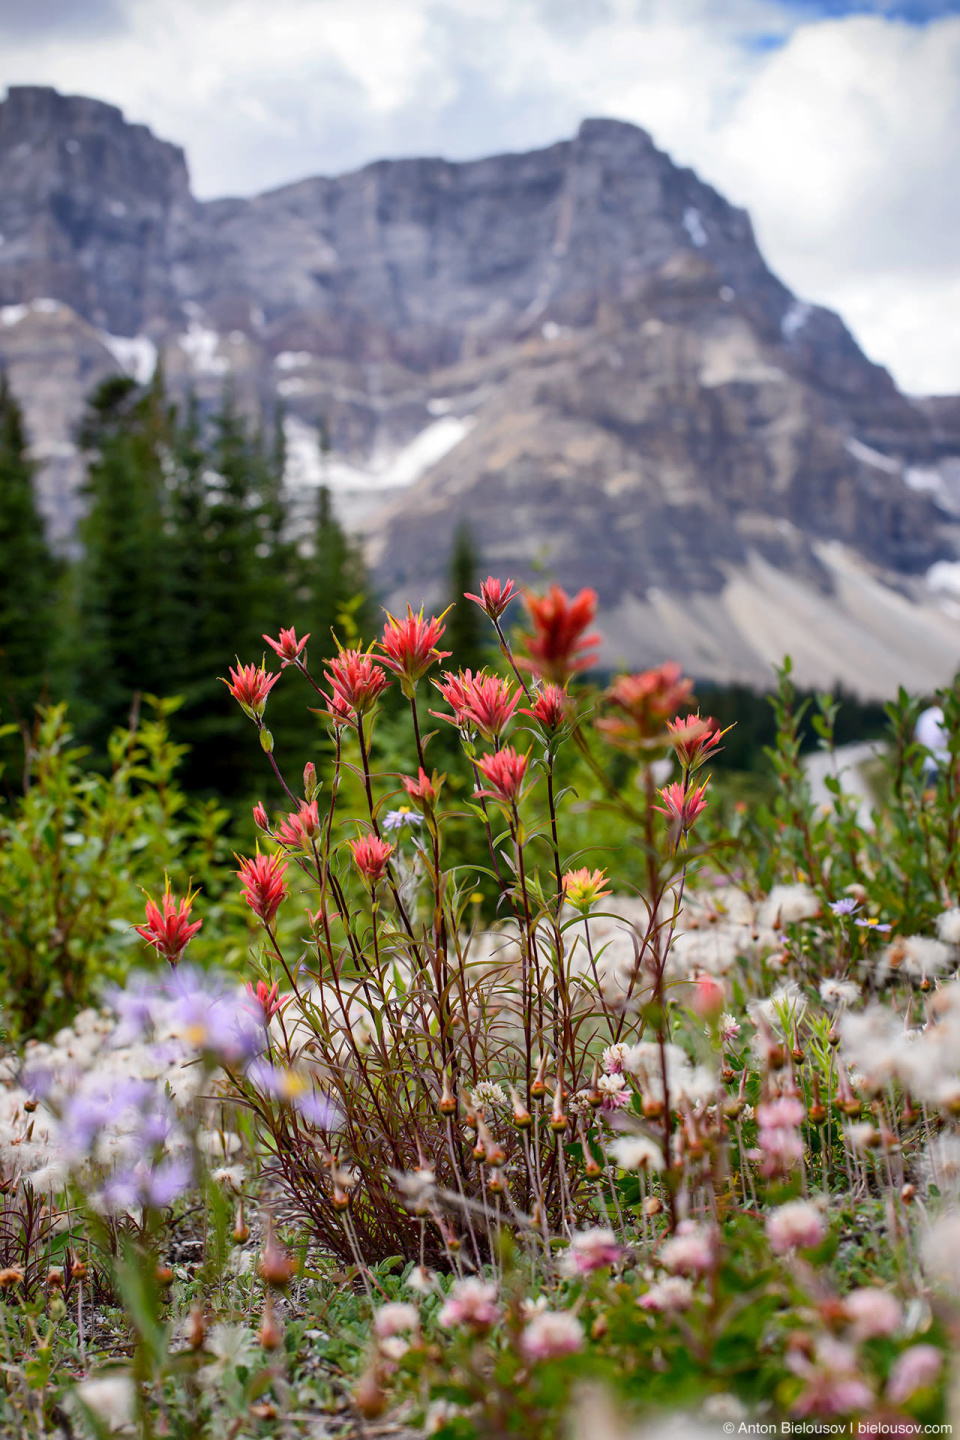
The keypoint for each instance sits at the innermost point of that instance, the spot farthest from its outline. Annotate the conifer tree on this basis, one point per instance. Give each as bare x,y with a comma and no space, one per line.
28,576
123,585
238,587
466,633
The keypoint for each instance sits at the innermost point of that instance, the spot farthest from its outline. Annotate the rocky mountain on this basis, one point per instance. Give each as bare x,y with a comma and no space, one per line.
580,351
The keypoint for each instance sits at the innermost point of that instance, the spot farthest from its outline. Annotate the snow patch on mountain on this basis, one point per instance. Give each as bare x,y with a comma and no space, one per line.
13,314
868,456
292,359
694,226
135,354
359,489
794,319
200,345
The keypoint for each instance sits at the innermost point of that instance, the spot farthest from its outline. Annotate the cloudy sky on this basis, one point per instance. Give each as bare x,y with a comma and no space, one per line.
836,123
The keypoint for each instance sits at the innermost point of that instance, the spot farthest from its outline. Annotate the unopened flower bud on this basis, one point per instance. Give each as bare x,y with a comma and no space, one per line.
310,785
276,1267
908,1194
260,817
270,1335
447,1104
164,1276
558,1121
817,1114
56,1307
55,1278
266,741
493,1151
368,1394
241,1230
652,1107
196,1328
340,1199
495,1182
652,1206
521,1115
591,1168
538,1086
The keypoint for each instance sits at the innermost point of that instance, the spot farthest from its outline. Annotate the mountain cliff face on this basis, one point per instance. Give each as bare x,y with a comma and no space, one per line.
579,350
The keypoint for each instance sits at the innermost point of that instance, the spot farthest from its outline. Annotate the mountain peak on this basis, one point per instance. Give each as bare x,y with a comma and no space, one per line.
579,351
604,129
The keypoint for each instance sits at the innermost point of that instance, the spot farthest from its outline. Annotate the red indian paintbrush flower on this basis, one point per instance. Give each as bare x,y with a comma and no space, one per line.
682,804
168,928
337,710
504,773
581,888
262,883
288,647
549,707
267,997
260,818
453,688
494,596
409,646
481,702
558,648
644,701
695,740
298,831
356,679
425,788
371,856
250,685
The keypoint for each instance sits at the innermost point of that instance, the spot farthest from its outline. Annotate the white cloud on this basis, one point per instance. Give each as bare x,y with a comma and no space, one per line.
843,142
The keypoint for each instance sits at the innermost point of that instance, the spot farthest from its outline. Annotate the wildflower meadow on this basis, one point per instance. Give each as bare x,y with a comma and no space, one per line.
519,1075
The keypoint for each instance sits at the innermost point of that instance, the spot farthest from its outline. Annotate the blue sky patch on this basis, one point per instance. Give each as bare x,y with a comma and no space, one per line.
913,12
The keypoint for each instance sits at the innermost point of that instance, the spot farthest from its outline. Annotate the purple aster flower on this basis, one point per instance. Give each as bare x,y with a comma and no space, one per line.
155,1128
120,1192
873,925
846,906
143,1184
215,1020
135,1006
317,1110
294,1088
397,819
168,1181
38,1082
88,1112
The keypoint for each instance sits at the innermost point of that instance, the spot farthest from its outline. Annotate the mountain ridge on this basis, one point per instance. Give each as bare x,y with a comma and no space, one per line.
579,350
